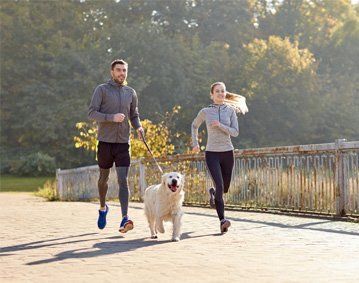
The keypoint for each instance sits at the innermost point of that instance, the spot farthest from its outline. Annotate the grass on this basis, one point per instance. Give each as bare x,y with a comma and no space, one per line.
48,191
10,183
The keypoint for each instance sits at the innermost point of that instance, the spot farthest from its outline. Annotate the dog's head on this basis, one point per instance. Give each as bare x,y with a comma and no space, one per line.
173,181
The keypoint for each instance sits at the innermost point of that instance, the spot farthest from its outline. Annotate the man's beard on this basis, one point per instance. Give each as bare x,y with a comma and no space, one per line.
118,81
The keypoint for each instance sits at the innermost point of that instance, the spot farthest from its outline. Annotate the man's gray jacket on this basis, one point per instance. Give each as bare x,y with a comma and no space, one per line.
111,98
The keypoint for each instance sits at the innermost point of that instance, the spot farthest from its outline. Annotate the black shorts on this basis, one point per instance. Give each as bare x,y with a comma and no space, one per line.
108,153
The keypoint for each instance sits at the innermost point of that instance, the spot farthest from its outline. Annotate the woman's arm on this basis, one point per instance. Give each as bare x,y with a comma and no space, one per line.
194,128
233,129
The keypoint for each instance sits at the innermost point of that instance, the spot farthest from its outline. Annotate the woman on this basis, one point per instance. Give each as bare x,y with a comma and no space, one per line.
221,121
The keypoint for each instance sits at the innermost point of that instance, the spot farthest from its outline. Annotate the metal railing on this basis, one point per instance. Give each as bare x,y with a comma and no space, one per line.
318,178
81,183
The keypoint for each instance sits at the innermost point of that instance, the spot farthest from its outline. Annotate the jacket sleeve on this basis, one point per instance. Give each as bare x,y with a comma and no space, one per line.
95,106
233,129
134,115
195,125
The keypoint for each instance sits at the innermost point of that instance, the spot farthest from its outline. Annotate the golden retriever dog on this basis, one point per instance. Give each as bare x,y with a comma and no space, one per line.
163,202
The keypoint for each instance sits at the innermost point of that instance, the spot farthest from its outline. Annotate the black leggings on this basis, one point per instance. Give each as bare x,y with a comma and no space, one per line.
220,166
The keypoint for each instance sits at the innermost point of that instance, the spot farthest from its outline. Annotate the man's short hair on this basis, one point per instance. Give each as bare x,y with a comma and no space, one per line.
118,61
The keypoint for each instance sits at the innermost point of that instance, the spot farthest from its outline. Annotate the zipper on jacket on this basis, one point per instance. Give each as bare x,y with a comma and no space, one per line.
119,111
219,113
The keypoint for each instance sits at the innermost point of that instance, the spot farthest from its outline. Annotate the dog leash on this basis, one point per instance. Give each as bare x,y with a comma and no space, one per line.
144,141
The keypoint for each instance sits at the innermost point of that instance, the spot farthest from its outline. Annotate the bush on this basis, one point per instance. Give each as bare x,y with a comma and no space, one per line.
48,191
4,165
34,164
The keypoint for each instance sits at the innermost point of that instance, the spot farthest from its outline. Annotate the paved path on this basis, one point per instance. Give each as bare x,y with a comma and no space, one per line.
59,242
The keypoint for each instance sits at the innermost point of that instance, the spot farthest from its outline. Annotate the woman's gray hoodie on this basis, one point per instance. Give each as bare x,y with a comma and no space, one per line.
219,138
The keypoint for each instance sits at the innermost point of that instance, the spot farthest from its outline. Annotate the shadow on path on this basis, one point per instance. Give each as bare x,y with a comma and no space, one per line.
114,247
305,226
44,243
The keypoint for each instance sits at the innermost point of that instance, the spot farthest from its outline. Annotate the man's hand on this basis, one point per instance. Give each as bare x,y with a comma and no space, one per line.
140,132
196,149
215,123
119,117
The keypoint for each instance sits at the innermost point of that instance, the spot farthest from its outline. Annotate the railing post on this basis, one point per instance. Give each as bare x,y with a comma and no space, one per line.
59,184
340,189
142,176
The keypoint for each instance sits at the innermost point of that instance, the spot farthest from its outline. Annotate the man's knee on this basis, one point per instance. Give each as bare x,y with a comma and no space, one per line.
122,176
104,176
123,182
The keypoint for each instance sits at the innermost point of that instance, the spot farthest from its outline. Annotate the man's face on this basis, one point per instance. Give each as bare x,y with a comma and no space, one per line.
119,73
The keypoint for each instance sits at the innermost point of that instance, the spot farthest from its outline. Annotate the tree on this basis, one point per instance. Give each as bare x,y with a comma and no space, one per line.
298,54
309,22
339,75
280,81
47,51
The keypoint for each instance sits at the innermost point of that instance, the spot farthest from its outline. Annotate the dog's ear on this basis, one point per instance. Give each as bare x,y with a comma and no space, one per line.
164,179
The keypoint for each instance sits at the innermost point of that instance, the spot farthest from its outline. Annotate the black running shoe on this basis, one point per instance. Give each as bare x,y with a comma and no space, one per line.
225,224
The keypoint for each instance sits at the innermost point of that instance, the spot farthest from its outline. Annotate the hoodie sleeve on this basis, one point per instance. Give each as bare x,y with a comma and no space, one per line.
134,115
195,125
95,106
233,129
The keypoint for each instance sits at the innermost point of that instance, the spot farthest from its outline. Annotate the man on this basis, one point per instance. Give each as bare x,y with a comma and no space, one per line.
113,106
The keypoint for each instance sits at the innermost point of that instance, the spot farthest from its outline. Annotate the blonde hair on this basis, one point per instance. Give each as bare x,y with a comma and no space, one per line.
238,102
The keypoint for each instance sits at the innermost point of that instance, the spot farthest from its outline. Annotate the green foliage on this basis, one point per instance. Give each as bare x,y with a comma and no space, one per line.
46,48
311,23
281,82
34,164
293,60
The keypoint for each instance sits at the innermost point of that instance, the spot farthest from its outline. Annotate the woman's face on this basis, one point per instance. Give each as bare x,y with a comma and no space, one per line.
218,94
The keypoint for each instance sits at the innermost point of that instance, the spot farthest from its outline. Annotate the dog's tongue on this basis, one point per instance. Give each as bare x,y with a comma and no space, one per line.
173,188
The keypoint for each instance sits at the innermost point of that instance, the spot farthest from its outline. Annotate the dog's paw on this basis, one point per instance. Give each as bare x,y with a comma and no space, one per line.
160,229
175,239
154,237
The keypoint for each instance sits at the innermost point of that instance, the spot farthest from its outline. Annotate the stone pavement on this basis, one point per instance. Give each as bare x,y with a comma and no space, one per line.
44,241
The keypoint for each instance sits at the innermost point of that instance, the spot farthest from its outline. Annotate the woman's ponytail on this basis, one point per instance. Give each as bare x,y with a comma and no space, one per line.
238,102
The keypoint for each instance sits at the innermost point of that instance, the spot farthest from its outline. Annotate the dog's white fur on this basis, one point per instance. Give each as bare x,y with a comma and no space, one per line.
162,203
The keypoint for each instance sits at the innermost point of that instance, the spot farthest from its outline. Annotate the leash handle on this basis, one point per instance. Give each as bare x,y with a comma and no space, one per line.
144,141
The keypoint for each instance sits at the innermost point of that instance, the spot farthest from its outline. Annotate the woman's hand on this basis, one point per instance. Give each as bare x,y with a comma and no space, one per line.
196,149
215,123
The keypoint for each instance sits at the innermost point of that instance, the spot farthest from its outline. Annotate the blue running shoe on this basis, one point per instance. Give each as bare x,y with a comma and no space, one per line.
101,222
126,225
